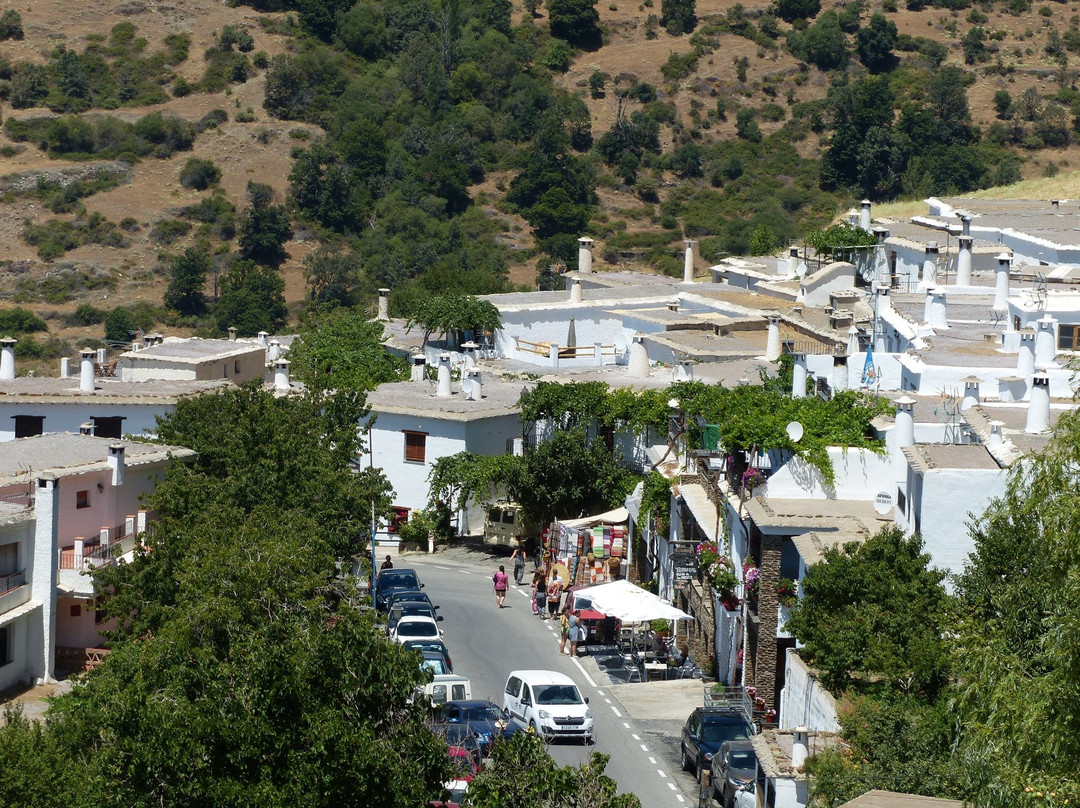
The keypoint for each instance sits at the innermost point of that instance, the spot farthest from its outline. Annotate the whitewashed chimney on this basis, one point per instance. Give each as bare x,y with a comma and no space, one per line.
475,388
798,377
442,389
469,348
996,438
637,365
929,269
792,261
116,463
232,333
86,371
688,263
971,392
685,371
937,315
1025,356
963,262
419,366
281,374
673,304
86,428
1045,341
102,355
965,225
575,290
840,373
852,340
1038,417
275,350
1054,205
1001,285
882,271
384,304
905,422
584,254
864,215
7,358
41,654
772,342
65,367
799,744
264,339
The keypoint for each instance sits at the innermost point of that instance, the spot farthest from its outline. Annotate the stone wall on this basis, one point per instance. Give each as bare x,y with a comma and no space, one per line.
768,616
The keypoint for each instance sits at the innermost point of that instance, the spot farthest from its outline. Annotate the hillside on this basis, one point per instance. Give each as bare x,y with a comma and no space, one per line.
716,135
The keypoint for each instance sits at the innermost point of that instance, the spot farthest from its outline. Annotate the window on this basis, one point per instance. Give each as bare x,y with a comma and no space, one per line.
1068,337
5,646
27,426
76,610
415,447
9,558
109,427
82,499
236,367
901,501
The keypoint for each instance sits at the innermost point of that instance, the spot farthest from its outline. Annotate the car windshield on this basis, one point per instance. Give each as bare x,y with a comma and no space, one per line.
557,694
417,628
436,666
397,579
484,713
720,731
426,645
743,759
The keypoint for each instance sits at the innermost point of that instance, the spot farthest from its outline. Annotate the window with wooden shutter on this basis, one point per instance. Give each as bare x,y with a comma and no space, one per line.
415,447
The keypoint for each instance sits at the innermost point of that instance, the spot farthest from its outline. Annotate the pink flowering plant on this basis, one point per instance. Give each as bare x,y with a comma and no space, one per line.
752,478
717,568
751,579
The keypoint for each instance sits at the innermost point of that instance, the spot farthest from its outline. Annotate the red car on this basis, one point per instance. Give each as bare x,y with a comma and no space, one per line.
596,623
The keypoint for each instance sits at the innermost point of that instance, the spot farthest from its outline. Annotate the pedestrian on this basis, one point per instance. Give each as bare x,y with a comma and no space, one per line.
539,587
577,631
564,630
554,594
387,565
501,581
518,557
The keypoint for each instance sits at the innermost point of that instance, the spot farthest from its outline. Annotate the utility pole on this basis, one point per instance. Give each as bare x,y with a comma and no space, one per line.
373,567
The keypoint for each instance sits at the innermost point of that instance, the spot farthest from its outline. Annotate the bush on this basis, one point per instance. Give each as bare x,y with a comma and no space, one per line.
20,321
119,325
167,231
557,56
199,174
11,25
86,314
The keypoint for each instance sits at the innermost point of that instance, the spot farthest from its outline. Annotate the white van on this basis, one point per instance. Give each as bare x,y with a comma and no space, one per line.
447,687
549,703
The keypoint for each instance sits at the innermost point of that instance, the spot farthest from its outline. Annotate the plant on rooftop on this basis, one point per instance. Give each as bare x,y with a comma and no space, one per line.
444,314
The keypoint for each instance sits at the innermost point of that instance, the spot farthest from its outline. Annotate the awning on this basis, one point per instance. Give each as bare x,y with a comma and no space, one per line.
631,603
615,517
702,509
19,611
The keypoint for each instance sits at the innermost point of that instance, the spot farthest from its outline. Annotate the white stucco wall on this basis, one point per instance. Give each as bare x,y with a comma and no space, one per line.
21,534
859,473
139,419
591,325
789,793
836,277
803,700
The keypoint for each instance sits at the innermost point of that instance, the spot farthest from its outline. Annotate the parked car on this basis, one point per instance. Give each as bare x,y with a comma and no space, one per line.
734,770
430,644
447,687
579,598
410,595
418,627
483,718
459,736
393,579
408,609
705,730
549,703
435,662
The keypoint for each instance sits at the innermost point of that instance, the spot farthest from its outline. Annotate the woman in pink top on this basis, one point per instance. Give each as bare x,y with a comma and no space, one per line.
501,581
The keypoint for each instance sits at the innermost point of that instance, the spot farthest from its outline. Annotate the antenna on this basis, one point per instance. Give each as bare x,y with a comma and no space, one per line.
794,431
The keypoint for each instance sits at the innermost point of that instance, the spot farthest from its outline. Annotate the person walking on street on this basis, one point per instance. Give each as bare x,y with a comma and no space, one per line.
501,581
576,630
554,594
564,630
539,588
386,565
518,557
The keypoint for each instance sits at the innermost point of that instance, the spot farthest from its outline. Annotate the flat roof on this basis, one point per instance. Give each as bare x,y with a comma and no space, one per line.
66,453
56,390
500,397
894,799
773,749
192,350
855,517
942,456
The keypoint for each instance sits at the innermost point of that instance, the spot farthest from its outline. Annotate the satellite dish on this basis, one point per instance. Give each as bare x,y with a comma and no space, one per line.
794,431
883,503
800,270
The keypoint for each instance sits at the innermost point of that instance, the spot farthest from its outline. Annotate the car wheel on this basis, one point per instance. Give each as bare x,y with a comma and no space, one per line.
684,761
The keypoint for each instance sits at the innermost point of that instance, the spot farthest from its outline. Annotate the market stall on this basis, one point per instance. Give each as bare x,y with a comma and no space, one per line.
592,548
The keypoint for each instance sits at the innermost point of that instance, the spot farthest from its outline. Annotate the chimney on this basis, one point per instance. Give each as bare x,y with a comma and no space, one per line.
474,389
384,304
929,270
688,263
963,262
116,463
232,333
86,371
792,260
839,373
1025,357
685,371
86,428
102,355
281,374
882,271
965,224
637,365
470,354
1054,205
852,340
147,340
936,313
275,350
971,393
264,339
798,377
65,367
1001,288
584,255
864,215
7,358
157,339
1038,417
1045,341
996,437
800,735
673,304
883,300
419,366
442,390
772,343
905,422
575,290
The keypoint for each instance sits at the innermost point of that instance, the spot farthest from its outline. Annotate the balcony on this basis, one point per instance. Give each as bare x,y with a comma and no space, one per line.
95,555
13,590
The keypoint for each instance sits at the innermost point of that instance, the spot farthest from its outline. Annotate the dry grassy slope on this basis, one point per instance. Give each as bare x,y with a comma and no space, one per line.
235,147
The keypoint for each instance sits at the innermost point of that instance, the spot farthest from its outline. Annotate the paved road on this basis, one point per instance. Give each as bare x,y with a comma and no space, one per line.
486,643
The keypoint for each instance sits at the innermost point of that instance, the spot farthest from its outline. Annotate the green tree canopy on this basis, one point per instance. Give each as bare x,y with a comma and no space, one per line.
252,300
576,21
341,350
265,227
187,281
445,314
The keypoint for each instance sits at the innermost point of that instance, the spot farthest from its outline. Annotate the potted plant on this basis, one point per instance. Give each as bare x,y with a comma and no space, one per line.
717,570
661,628
752,478
751,579
787,591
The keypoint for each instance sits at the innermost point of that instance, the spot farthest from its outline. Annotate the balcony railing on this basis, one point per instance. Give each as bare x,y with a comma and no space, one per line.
13,580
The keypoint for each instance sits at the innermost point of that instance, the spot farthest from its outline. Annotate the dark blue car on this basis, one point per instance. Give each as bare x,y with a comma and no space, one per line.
705,730
483,718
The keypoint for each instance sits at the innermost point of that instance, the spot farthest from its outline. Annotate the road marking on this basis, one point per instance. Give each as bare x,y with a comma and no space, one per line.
679,798
635,737
626,724
644,748
672,786
617,713
652,760
660,772
606,701
583,673
599,692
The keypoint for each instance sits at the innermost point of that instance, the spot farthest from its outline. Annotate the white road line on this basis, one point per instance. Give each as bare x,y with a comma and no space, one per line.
660,772
652,760
583,673
672,786
644,748
599,692
617,713
679,798
606,701
635,737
